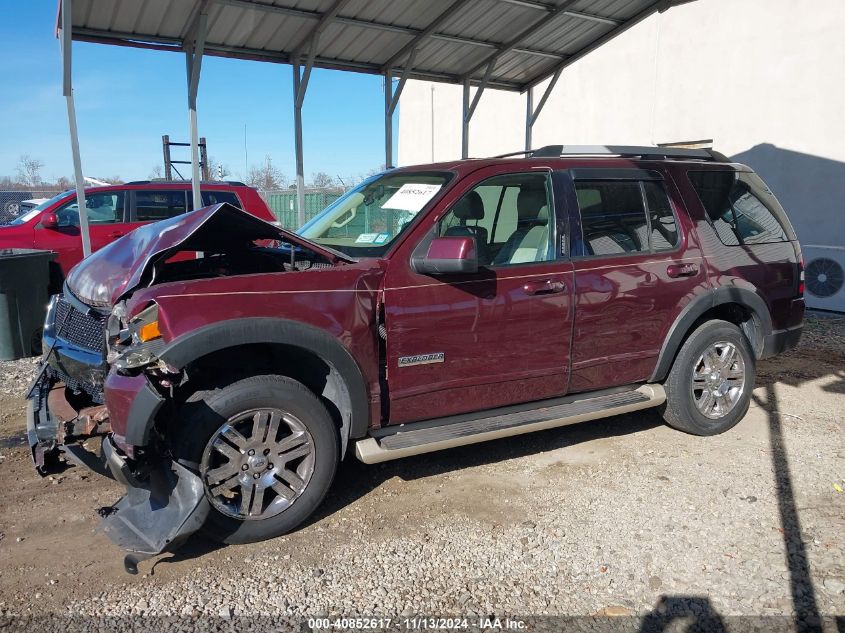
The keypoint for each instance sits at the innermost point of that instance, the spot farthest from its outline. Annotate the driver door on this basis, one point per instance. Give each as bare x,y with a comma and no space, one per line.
105,224
497,337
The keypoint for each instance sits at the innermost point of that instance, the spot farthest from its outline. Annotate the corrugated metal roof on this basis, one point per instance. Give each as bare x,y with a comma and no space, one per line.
515,43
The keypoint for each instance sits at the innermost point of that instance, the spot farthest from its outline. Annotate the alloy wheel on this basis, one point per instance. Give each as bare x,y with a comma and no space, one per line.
257,464
718,379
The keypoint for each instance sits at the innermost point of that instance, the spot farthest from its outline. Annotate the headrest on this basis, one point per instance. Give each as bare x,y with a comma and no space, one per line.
470,207
529,202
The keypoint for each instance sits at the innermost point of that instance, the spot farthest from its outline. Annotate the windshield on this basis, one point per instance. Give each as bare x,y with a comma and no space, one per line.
26,217
367,219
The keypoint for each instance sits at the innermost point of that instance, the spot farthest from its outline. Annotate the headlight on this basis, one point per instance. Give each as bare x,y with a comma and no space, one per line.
143,338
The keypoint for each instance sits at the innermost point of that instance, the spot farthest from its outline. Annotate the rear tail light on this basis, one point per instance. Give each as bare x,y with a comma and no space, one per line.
801,277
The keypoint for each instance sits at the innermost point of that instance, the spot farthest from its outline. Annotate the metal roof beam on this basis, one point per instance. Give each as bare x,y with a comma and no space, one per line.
411,47
542,6
219,50
314,34
660,5
381,26
526,32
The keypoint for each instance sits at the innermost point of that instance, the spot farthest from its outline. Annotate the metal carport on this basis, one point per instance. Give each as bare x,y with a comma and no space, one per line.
503,44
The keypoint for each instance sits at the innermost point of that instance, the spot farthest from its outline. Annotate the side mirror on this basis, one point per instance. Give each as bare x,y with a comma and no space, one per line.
449,255
50,221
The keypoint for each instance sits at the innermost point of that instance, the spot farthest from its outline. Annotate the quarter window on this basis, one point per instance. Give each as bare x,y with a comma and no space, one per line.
151,206
509,217
740,207
624,216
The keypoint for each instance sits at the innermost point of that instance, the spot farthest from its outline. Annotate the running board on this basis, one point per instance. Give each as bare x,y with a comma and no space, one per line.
428,436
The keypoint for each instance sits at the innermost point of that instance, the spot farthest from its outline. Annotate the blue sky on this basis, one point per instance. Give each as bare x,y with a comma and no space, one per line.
127,98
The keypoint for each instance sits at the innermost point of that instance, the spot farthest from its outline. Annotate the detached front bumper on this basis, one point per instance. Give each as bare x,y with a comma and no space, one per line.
57,432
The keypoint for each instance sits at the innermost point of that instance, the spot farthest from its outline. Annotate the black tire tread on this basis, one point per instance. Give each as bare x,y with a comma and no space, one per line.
679,410
196,426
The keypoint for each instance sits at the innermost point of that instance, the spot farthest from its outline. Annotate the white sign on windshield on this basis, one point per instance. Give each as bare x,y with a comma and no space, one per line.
411,197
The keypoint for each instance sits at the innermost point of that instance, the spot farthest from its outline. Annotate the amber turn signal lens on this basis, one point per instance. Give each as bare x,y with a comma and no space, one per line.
149,331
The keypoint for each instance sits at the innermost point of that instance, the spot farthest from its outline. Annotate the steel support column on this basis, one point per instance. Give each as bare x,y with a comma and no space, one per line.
67,91
193,65
388,118
300,84
469,108
531,113
391,100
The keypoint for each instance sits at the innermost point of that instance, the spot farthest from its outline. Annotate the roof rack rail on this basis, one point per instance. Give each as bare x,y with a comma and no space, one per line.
628,151
162,181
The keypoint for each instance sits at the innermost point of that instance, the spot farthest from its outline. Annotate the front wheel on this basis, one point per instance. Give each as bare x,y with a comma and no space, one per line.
708,390
267,451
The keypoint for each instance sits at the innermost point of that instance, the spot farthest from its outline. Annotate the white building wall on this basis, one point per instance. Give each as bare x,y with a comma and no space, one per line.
762,78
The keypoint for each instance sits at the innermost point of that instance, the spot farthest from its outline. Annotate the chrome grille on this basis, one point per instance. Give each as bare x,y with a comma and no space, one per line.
78,328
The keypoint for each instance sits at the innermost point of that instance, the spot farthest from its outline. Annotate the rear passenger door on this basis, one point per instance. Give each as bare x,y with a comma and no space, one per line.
635,264
152,205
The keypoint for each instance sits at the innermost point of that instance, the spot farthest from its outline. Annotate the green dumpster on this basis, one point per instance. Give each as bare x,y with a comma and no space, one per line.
24,279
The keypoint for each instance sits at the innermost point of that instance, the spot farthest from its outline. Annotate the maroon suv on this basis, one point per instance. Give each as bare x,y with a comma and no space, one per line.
430,307
115,210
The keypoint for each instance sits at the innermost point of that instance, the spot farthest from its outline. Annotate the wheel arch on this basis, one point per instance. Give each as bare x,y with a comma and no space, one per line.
740,306
289,347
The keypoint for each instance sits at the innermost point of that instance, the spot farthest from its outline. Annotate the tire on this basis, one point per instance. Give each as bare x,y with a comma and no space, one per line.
720,394
202,442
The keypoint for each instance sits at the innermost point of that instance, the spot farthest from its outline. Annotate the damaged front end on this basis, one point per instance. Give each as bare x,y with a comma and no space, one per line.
101,386
68,421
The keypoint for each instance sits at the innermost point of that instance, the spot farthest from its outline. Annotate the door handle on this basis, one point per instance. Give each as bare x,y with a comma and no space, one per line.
116,234
682,270
545,287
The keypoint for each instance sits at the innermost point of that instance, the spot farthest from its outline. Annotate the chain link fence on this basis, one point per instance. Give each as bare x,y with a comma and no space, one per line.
283,203
10,202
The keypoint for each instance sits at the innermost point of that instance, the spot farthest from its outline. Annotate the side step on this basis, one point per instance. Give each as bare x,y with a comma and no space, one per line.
434,435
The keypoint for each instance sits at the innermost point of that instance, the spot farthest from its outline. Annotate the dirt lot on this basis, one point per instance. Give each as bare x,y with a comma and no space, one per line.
615,517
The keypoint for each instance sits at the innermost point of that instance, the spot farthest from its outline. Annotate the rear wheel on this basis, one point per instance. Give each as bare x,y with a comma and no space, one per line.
708,390
266,450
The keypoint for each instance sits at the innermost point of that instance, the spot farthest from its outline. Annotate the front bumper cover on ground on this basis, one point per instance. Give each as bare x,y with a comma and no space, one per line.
164,502
157,513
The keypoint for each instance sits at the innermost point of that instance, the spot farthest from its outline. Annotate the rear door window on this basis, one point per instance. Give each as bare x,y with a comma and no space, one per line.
624,216
151,206
741,208
217,197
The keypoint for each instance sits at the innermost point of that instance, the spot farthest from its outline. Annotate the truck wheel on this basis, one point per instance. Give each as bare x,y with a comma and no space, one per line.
266,450
708,389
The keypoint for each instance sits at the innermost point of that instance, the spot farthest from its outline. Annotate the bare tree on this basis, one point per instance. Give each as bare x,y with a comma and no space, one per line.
29,171
217,170
64,183
321,180
266,176
156,173
112,180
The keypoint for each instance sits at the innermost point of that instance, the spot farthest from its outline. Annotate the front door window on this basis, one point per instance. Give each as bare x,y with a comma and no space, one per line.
509,216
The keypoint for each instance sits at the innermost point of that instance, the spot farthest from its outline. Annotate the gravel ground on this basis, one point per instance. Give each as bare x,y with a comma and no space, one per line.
622,517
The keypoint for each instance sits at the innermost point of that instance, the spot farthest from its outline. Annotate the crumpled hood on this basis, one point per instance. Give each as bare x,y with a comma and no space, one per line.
119,268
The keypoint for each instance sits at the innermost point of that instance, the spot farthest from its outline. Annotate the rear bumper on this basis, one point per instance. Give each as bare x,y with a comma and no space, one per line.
781,341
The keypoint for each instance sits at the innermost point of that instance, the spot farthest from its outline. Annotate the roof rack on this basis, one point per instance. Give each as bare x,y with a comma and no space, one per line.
627,151
162,181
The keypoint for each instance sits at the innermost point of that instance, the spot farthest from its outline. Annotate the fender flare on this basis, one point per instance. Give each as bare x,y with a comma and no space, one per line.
257,330
696,308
